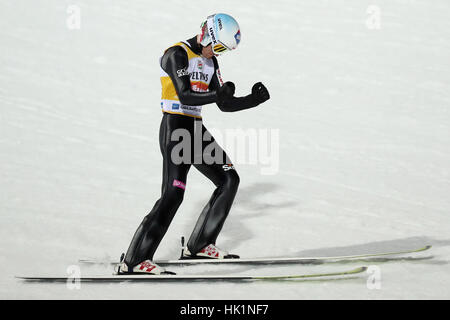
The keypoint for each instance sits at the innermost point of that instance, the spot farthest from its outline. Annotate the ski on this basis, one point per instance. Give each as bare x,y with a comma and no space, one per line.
190,278
268,260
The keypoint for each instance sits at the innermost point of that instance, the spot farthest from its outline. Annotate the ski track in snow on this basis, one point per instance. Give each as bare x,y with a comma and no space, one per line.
364,143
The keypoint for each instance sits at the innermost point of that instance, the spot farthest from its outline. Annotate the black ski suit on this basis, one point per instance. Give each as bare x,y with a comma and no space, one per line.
222,173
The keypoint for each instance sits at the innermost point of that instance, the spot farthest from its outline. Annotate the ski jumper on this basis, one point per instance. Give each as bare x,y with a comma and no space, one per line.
188,81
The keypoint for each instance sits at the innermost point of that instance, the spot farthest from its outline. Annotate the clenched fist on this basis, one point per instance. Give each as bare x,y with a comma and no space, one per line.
260,93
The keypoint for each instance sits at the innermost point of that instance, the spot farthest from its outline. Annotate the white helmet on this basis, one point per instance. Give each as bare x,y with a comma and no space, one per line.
222,31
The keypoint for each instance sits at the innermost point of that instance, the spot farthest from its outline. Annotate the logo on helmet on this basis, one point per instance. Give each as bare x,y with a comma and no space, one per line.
237,36
212,35
219,21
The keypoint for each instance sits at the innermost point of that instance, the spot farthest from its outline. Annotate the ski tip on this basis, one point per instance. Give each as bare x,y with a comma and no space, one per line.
360,269
427,247
324,276
354,271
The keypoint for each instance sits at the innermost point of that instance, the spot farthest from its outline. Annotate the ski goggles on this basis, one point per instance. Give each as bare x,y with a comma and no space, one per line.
209,36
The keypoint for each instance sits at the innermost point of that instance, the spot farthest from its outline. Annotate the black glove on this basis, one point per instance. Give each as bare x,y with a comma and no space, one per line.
225,92
260,93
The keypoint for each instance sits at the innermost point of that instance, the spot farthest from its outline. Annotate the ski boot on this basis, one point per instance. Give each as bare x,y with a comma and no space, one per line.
145,267
208,252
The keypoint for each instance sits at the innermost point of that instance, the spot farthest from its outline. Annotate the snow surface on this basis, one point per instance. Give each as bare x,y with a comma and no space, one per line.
364,143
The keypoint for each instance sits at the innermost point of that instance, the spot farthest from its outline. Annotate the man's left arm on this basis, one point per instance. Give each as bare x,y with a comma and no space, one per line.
259,94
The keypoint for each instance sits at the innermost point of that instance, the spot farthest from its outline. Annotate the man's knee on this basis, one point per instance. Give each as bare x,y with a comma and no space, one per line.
173,197
166,207
231,180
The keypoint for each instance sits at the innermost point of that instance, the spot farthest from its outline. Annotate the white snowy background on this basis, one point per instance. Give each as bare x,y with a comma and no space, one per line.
360,93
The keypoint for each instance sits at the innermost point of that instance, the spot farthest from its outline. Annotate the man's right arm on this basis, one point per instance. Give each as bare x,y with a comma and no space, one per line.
175,63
